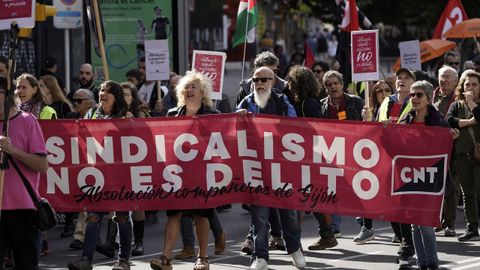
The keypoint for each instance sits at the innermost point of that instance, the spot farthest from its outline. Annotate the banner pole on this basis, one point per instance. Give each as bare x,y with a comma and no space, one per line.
245,42
100,39
13,40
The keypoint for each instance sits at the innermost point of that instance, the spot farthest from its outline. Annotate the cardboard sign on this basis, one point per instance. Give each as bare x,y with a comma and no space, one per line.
212,65
69,14
410,55
365,56
20,11
157,60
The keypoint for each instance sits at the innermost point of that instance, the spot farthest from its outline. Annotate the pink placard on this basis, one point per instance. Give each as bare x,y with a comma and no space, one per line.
21,11
212,65
365,62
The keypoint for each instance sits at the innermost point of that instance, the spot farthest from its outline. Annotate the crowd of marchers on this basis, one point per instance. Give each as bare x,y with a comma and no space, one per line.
409,97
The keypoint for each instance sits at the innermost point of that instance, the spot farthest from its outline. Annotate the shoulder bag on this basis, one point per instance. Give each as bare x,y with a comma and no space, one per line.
45,217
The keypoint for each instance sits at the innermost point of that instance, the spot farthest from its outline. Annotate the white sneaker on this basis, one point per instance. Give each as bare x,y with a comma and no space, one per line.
298,259
259,264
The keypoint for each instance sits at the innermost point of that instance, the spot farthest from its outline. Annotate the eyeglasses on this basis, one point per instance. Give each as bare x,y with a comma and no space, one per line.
262,79
453,63
384,90
318,70
78,100
418,95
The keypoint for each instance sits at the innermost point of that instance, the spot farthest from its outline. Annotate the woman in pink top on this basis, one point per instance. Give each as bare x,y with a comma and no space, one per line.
26,146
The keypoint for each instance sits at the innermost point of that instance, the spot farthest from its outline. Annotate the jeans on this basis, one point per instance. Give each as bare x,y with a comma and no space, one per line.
274,222
92,232
17,231
425,244
186,227
289,224
336,222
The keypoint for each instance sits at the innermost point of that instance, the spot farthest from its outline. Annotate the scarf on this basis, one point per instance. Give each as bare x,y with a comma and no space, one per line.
32,107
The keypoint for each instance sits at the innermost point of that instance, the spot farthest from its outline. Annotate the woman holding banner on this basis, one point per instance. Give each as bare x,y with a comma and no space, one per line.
193,94
305,88
424,114
111,105
136,109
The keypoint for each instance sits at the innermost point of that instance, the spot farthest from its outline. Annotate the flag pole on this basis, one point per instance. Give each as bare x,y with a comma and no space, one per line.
246,41
100,39
14,30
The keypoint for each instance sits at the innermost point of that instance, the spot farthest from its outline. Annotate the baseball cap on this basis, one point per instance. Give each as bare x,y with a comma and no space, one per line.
408,71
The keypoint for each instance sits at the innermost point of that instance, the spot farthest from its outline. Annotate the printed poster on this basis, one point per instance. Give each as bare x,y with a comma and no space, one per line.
212,65
365,56
128,24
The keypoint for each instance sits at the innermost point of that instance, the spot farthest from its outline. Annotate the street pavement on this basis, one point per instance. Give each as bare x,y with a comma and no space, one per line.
377,254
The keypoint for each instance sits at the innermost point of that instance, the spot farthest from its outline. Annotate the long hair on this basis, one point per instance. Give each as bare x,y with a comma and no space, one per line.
203,82
459,90
37,97
57,94
137,105
10,100
302,83
376,88
120,106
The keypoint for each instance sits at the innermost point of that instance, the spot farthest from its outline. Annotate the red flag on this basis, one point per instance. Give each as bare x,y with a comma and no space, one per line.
350,16
453,14
309,56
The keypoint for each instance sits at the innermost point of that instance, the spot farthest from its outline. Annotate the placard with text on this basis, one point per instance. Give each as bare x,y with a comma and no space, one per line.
365,56
212,65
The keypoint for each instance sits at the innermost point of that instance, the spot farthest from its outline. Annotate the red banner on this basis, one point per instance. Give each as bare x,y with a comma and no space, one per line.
392,173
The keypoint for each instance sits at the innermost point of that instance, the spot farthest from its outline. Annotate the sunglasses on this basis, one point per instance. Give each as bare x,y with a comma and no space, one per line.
318,70
418,95
262,79
453,63
78,100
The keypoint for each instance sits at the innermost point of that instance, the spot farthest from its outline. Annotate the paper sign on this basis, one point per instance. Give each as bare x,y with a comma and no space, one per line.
212,65
410,55
157,60
365,56
69,14
20,11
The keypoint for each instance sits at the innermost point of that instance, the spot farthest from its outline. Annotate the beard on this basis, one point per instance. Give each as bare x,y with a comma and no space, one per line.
84,83
261,99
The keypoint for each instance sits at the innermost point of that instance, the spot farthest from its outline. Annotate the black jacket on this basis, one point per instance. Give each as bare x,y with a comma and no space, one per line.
353,107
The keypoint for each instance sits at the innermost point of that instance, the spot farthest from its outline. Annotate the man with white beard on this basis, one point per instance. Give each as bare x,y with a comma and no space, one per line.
265,101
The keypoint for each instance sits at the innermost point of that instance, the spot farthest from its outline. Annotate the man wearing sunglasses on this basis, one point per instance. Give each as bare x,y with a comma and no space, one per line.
82,101
264,100
264,59
452,59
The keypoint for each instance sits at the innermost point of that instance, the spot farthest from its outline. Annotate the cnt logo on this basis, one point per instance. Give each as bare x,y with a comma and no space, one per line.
419,174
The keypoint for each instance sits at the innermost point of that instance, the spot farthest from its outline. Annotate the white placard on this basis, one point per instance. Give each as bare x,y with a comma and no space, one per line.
20,11
410,55
157,65
69,14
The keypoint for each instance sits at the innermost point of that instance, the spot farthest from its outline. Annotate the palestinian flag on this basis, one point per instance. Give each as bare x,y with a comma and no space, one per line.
246,21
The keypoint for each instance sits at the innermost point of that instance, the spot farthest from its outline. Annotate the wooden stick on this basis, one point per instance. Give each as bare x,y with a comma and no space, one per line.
100,39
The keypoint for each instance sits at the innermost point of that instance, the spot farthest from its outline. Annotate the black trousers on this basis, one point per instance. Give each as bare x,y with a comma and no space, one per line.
18,231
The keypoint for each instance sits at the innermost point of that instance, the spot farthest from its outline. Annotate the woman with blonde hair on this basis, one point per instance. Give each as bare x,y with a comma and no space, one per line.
54,96
193,93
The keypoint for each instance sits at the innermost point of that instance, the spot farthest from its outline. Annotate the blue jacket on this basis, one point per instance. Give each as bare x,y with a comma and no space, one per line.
277,105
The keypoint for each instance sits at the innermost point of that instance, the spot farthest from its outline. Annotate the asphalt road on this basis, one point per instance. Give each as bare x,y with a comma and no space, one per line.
377,254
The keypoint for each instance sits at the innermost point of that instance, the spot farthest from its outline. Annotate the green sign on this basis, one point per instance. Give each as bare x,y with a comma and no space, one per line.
127,24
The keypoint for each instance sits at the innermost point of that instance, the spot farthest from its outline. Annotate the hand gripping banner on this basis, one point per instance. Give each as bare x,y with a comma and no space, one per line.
393,172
